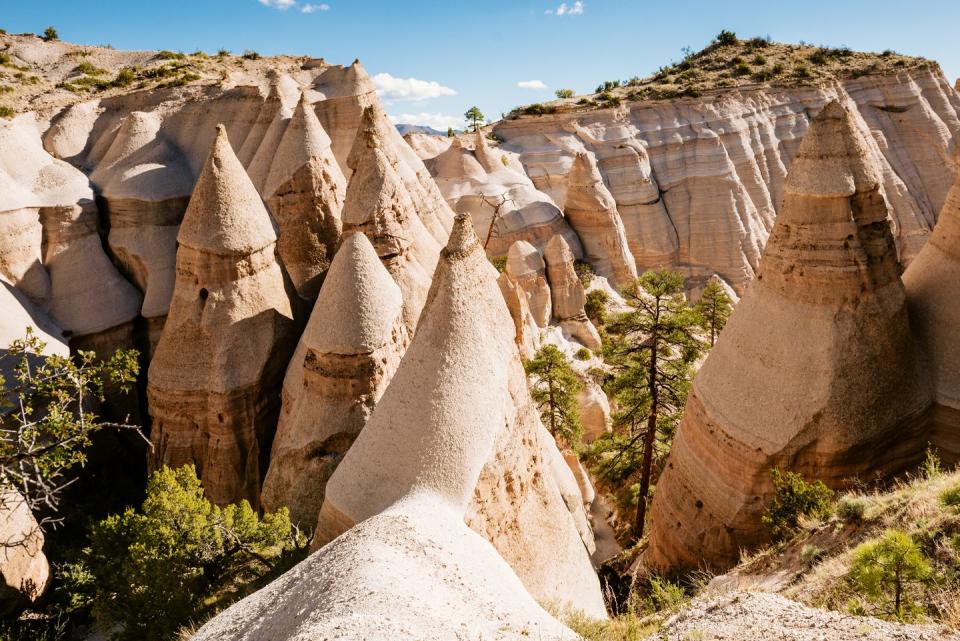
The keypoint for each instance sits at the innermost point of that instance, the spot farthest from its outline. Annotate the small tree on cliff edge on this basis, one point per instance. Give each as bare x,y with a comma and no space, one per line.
714,306
651,352
554,387
474,116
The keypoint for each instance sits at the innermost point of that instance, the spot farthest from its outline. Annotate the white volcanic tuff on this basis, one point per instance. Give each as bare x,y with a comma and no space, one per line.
476,181
720,162
458,424
343,362
526,268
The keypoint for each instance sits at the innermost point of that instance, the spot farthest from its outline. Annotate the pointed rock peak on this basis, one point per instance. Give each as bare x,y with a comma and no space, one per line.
372,132
834,159
584,171
523,258
304,138
358,304
558,251
376,194
480,139
456,145
463,238
225,214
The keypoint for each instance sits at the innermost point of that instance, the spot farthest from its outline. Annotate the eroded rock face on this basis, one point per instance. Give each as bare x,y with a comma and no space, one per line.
527,334
457,423
567,296
933,291
592,210
345,359
23,565
213,384
698,183
305,190
821,345
526,269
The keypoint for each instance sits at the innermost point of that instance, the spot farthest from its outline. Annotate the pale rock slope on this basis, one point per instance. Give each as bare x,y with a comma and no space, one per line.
492,187
24,570
933,291
525,267
304,192
821,345
592,210
213,384
527,335
698,182
457,423
381,204
567,295
343,362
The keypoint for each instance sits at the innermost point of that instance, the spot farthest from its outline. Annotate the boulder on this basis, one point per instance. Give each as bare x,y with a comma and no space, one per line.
592,211
567,295
213,384
23,565
343,362
457,423
526,268
814,373
304,192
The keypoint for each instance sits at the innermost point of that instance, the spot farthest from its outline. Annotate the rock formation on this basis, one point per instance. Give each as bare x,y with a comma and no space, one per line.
457,424
345,359
592,211
23,566
820,344
567,296
526,268
304,191
933,291
527,334
214,380
379,204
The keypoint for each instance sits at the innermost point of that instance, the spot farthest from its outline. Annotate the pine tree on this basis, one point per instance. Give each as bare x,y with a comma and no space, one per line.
474,116
554,387
715,306
651,351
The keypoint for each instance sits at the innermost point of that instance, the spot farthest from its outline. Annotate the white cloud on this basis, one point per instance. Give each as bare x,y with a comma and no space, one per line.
409,89
531,84
282,5
312,8
575,9
438,121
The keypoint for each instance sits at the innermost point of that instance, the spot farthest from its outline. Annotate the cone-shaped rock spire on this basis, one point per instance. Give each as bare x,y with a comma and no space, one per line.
815,372
933,291
305,192
213,384
526,268
566,293
457,424
346,356
592,212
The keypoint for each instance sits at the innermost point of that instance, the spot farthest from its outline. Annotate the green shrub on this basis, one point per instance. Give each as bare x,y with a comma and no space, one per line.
851,509
504,160
583,354
607,85
802,71
171,55
810,554
742,69
564,93
951,497
6,89
4,58
3,32
931,467
818,57
500,262
6,112
726,38
223,53
251,55
584,272
537,109
794,498
759,60
156,569
50,34
125,77
596,306
664,596
88,69
778,68
887,571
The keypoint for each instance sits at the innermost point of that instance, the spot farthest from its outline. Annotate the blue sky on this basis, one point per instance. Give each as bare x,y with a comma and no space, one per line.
439,58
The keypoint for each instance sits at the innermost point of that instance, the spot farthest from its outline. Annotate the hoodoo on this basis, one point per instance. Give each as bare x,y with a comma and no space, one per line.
592,211
566,292
821,345
457,424
304,191
214,380
345,359
379,205
526,268
933,291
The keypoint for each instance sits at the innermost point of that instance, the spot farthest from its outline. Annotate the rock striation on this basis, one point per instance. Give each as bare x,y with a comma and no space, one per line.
304,191
933,291
592,210
213,384
343,362
525,267
820,343
457,424
567,294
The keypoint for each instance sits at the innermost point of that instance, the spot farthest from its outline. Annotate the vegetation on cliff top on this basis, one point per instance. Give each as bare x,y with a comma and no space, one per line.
730,62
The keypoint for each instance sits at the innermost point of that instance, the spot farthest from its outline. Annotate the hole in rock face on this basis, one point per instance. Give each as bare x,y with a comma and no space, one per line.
204,293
